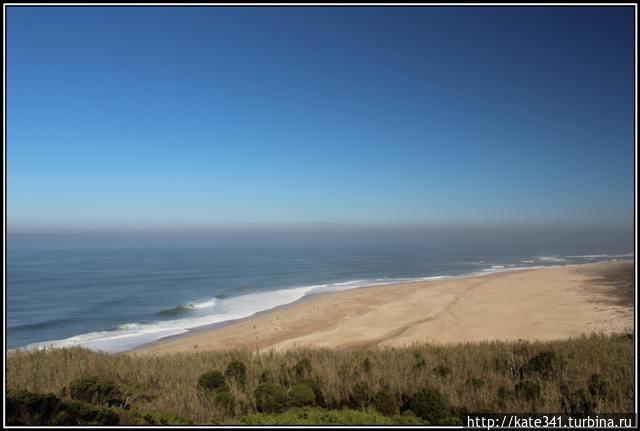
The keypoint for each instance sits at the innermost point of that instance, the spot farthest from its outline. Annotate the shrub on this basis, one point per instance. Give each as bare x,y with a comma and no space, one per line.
317,416
105,417
270,398
225,401
303,368
452,420
361,395
28,408
63,418
599,388
462,412
420,363
163,418
442,370
543,363
528,390
320,400
406,420
96,390
385,402
265,376
405,402
87,414
237,372
211,380
579,403
301,394
503,395
366,365
430,404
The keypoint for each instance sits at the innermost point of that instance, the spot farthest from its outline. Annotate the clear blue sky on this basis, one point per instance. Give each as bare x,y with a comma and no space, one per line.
125,117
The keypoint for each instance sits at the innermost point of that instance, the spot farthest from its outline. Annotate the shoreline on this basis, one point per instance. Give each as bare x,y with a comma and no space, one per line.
204,337
310,296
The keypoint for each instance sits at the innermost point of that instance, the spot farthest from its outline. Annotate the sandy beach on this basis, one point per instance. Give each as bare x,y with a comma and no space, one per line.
533,304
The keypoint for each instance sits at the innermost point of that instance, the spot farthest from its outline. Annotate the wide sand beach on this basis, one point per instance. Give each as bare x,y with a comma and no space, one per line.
533,304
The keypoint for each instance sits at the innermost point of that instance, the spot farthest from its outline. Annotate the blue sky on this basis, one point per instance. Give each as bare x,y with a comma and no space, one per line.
178,117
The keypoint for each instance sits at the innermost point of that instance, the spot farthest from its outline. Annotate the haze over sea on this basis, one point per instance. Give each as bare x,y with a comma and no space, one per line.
115,295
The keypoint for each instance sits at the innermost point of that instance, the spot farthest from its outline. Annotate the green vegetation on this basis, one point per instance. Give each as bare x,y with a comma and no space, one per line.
579,403
442,370
503,395
303,368
301,394
27,408
544,363
528,390
265,376
385,402
236,371
96,390
162,418
225,402
430,405
418,384
361,395
599,388
211,380
317,390
270,398
318,416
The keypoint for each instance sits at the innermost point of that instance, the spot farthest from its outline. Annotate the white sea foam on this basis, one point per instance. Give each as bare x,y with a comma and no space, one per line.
206,304
216,310
594,256
551,259
512,267
437,277
131,335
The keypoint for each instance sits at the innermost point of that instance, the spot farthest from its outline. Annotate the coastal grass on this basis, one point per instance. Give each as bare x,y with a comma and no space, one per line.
417,384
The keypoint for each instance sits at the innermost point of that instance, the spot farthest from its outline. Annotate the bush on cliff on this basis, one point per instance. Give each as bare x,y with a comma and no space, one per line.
211,380
270,398
96,390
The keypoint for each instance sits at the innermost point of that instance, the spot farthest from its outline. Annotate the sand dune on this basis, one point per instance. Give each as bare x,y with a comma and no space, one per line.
536,304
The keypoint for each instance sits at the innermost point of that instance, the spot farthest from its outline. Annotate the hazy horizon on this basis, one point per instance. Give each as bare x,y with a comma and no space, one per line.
546,239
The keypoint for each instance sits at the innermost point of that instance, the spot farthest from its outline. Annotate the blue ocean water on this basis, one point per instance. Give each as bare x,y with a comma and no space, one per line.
118,299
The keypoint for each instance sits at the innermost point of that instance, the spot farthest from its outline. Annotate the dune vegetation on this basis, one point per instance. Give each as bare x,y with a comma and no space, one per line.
417,384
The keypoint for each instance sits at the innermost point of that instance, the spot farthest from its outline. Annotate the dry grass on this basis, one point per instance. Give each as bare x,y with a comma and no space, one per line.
168,383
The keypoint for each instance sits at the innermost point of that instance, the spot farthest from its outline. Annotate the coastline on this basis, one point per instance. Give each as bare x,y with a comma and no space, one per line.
311,296
543,303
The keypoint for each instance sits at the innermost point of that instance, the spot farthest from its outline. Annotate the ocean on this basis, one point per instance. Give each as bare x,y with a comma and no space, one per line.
118,299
